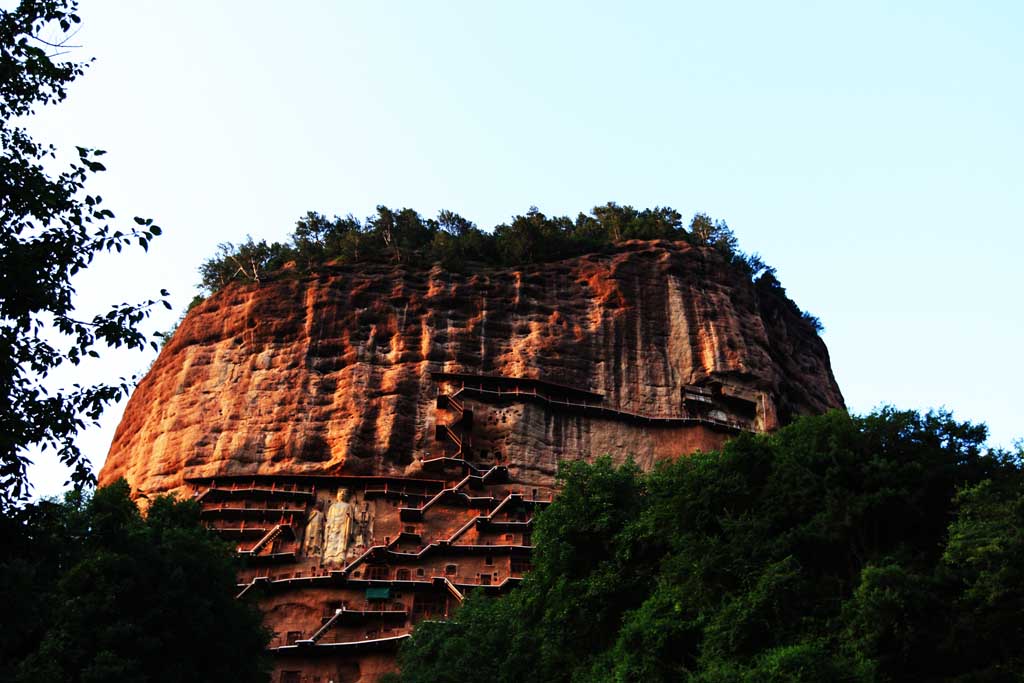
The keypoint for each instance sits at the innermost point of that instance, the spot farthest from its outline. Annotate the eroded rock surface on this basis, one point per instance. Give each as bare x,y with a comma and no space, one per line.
376,440
331,373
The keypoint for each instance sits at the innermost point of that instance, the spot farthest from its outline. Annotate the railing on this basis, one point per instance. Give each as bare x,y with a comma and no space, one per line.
267,538
451,400
452,436
326,627
222,508
462,377
411,514
272,488
603,411
385,489
374,638
241,527
444,460
450,542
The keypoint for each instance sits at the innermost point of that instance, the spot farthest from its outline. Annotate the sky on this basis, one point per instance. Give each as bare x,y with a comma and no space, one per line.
872,152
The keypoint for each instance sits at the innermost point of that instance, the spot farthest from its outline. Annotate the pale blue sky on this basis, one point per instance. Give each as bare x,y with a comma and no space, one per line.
872,153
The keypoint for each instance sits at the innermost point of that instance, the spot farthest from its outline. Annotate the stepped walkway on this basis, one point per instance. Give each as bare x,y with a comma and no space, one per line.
449,545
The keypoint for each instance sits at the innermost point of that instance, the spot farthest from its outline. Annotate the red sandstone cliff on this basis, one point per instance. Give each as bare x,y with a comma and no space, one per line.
331,373
376,440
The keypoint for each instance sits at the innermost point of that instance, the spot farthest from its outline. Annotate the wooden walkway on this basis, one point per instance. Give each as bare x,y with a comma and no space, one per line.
598,410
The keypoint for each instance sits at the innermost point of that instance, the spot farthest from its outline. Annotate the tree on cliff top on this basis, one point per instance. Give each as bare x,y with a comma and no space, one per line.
404,236
50,229
93,591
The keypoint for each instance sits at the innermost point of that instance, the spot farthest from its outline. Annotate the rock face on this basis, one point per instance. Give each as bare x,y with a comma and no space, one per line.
332,373
436,406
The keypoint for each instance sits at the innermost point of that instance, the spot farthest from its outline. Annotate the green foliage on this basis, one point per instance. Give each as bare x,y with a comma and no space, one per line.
877,548
713,233
250,260
813,321
50,230
406,237
94,591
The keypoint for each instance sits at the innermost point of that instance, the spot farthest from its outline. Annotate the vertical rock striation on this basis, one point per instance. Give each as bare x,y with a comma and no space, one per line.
376,439
331,372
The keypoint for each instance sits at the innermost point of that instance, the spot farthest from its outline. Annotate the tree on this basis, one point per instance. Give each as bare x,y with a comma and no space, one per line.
401,233
877,548
532,238
626,223
310,237
50,230
454,224
94,591
250,261
713,233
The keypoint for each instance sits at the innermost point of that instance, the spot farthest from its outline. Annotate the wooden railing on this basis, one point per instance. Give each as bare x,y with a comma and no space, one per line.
273,488
598,410
267,538
214,508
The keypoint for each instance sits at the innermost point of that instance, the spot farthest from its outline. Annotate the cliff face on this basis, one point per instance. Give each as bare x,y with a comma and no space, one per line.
332,373
376,441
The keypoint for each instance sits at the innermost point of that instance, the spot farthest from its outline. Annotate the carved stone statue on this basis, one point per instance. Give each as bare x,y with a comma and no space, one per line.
338,530
313,542
364,528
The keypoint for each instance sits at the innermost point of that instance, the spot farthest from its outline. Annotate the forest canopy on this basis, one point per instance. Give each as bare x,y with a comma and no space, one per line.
878,548
93,590
404,236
